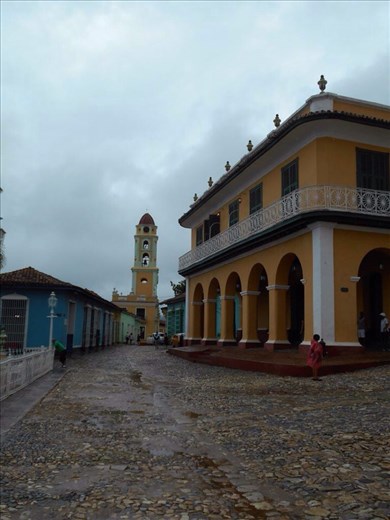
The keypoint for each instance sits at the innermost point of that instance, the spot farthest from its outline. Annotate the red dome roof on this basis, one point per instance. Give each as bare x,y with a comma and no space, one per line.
147,219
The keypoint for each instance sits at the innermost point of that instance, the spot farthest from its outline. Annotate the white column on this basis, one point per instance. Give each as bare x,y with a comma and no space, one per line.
323,281
187,308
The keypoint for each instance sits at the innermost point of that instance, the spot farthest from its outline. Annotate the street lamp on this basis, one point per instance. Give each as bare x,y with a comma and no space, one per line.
52,301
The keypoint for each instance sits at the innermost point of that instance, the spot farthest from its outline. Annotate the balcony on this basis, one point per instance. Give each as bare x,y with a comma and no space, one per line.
306,200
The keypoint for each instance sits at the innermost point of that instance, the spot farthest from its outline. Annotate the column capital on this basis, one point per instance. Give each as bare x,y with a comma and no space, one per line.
250,293
227,297
197,303
278,287
209,300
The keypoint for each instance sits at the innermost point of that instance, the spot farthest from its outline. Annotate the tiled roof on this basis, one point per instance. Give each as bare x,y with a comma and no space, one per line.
30,276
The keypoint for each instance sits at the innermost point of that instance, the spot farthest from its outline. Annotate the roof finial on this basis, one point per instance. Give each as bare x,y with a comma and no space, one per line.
210,183
249,145
195,197
277,121
322,83
227,166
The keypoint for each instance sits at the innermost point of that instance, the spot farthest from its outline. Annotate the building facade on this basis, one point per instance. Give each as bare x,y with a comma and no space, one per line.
294,239
80,318
142,301
174,311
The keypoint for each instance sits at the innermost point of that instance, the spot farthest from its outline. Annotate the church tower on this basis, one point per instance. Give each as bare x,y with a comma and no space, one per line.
142,300
145,271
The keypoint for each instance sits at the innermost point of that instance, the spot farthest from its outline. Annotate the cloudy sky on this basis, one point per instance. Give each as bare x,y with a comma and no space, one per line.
113,109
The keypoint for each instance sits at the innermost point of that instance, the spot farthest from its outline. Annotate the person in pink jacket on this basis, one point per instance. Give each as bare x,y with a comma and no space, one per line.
314,356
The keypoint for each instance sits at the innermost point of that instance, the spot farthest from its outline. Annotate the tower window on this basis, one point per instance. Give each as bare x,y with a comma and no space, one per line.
144,280
145,259
145,244
146,229
140,312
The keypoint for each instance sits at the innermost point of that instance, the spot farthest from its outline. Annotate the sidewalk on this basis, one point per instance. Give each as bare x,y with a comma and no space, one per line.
16,406
290,362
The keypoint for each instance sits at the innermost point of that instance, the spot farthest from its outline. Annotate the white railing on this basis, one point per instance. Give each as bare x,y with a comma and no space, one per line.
18,371
311,198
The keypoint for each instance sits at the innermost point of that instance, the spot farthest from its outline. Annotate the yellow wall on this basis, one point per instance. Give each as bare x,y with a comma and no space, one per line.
357,108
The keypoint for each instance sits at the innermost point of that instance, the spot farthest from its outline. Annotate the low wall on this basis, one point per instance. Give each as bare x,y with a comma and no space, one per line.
19,371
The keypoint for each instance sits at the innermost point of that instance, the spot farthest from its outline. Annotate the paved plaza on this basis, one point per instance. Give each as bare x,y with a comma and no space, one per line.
133,433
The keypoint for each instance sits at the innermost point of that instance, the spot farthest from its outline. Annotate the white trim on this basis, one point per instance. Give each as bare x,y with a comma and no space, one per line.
187,306
227,297
197,303
250,293
323,281
278,342
209,300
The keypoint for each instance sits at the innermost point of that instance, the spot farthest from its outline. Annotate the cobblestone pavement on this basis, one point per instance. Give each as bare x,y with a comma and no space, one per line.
133,433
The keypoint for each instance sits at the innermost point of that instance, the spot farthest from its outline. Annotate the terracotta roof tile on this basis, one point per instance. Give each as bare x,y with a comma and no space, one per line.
30,276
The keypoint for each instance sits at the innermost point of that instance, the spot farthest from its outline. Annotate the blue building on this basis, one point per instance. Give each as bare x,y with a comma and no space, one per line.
80,318
175,314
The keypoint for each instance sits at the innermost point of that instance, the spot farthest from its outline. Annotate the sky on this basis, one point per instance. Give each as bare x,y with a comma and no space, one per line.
113,109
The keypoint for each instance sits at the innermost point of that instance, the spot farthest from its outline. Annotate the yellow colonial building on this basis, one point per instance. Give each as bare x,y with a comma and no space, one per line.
294,239
142,300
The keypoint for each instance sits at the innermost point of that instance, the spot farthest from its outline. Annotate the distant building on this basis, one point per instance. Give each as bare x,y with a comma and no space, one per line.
142,300
294,239
175,314
82,319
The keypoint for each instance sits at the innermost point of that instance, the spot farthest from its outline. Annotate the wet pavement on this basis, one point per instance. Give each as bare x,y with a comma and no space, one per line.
133,433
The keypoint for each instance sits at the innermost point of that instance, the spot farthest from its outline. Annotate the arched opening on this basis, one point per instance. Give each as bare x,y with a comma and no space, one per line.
198,314
233,301
213,306
257,283
372,294
289,279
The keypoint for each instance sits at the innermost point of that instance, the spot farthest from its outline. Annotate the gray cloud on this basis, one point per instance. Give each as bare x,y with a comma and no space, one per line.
112,109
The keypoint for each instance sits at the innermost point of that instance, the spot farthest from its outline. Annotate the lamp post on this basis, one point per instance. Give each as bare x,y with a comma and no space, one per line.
52,301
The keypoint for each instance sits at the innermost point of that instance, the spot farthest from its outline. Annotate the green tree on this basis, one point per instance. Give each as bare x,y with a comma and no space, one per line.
179,288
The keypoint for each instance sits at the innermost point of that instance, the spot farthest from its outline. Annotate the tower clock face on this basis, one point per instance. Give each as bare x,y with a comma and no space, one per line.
146,229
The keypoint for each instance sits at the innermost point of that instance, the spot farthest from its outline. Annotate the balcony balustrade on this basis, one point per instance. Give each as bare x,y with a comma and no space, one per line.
304,200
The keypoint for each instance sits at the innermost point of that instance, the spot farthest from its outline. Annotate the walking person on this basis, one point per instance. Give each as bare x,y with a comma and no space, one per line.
61,349
361,328
385,331
156,339
314,356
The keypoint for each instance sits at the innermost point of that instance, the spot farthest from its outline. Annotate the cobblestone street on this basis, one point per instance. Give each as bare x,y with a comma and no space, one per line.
133,433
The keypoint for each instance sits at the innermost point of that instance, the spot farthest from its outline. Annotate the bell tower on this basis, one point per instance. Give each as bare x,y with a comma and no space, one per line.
145,271
142,300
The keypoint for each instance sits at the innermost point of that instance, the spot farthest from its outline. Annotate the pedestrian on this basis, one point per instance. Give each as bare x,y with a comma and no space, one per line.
361,328
166,340
127,338
385,331
60,348
138,339
131,338
314,356
156,339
